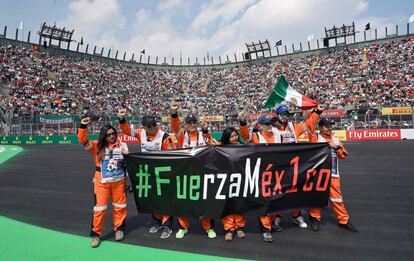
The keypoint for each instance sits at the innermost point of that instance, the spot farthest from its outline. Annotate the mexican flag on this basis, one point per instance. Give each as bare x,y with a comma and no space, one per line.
284,92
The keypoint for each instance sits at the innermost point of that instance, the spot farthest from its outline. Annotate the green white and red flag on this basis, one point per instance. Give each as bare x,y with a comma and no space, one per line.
283,92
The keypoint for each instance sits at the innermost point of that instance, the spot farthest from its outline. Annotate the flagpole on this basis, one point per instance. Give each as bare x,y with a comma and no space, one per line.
21,32
22,35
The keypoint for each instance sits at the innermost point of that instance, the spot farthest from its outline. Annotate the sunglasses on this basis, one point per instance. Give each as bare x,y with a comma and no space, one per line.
284,114
110,134
151,125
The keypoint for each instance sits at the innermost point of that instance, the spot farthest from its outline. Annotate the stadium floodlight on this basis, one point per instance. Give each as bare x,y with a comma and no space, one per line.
411,19
50,33
340,32
260,49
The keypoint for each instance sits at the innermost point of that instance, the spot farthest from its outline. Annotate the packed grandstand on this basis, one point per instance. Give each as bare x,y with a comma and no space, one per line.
357,81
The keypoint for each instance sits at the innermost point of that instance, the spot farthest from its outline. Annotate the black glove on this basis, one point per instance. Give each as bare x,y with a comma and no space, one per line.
129,188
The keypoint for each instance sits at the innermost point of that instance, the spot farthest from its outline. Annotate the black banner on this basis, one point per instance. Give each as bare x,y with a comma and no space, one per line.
217,181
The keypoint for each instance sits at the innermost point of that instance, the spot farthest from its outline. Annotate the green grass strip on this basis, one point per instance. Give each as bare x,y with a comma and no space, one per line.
8,151
21,241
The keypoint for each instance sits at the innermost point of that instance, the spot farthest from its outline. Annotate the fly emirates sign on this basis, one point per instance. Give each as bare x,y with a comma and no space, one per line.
384,134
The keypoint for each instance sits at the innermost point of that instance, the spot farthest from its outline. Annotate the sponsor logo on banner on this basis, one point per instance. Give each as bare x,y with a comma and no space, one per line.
55,121
255,116
127,139
333,113
212,118
397,111
386,134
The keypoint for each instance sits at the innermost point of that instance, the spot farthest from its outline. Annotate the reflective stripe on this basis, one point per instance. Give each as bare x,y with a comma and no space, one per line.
133,131
99,208
335,165
154,145
178,134
304,127
189,143
119,205
288,135
88,146
337,200
264,141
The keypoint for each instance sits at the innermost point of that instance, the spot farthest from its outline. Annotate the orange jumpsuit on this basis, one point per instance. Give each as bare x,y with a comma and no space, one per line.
271,137
233,222
104,190
335,195
191,139
168,143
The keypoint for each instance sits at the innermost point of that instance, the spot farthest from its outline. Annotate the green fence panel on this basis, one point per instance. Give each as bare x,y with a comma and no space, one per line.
56,139
22,140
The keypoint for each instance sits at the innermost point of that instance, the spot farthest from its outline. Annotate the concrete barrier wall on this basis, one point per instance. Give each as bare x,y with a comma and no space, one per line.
353,135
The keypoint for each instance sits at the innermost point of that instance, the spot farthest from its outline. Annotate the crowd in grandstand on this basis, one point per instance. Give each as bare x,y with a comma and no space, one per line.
352,79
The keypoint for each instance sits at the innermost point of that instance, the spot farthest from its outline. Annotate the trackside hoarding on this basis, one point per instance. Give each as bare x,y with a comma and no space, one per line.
407,134
397,111
384,134
349,135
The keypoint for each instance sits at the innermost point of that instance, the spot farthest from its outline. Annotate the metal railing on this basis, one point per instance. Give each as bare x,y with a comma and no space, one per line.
348,122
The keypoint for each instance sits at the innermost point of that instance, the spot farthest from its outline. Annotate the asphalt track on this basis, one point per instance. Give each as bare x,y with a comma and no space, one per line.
50,186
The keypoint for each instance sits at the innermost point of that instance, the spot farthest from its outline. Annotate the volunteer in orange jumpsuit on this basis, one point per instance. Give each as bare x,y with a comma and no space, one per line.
191,137
282,131
233,223
335,195
109,180
151,138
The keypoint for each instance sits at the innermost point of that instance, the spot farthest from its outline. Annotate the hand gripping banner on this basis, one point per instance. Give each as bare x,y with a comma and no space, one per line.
217,181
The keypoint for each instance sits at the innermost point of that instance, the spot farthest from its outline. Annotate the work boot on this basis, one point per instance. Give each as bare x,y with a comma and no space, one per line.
348,226
314,224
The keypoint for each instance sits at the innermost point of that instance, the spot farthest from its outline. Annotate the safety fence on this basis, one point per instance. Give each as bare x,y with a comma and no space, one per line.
344,135
49,125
